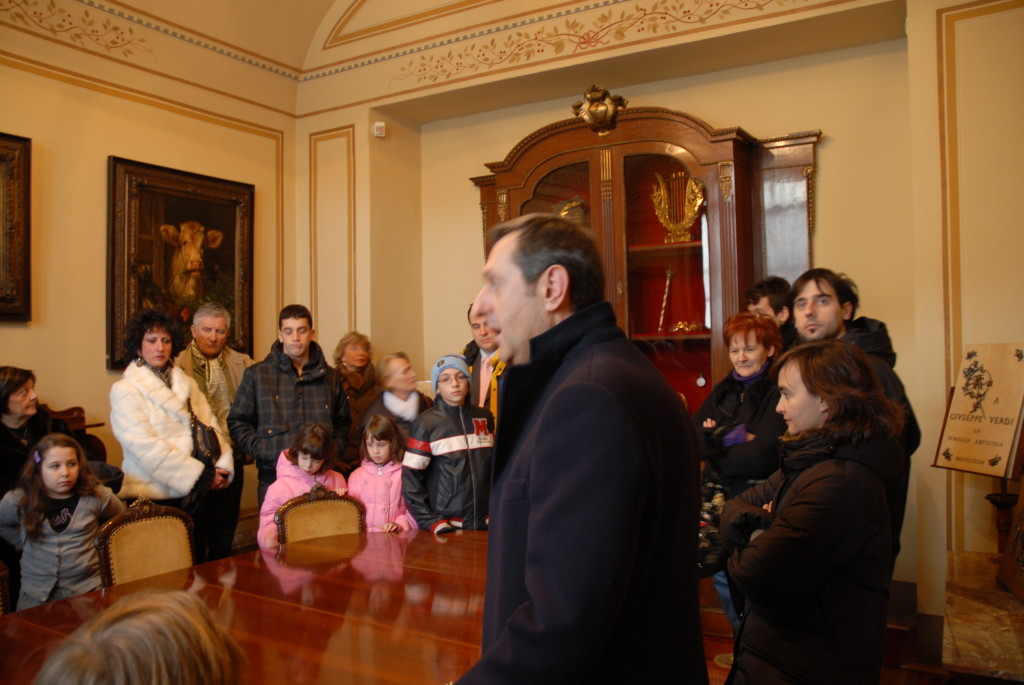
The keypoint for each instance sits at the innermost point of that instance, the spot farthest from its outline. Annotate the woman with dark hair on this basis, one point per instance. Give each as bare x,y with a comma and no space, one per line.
24,424
151,413
811,546
738,428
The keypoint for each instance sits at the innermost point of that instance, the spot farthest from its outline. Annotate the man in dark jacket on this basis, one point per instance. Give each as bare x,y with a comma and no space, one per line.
825,307
770,297
293,386
592,556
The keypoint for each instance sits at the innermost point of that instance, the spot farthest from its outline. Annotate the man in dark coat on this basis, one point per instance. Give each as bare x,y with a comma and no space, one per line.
592,566
293,386
825,308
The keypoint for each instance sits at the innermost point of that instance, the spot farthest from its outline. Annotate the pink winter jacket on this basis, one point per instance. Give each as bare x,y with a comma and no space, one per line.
379,488
291,482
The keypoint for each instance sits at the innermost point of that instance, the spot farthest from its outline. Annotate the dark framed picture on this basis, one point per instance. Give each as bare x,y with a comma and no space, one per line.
15,243
176,240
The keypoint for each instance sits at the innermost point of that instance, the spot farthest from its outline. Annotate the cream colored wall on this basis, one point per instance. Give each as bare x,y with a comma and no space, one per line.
980,52
74,126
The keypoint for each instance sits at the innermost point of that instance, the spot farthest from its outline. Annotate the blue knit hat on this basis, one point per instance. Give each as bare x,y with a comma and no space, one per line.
448,361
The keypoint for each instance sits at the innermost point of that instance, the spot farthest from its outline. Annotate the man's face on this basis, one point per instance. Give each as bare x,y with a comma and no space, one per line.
512,308
819,316
295,335
481,333
211,335
764,308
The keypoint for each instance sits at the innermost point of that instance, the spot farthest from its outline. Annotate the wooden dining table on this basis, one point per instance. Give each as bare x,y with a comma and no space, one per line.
403,608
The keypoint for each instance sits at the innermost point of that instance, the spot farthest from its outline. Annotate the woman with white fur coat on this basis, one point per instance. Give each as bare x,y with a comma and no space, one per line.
150,417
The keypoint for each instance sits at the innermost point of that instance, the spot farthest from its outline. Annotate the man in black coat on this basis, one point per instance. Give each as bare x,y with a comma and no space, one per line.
592,558
825,308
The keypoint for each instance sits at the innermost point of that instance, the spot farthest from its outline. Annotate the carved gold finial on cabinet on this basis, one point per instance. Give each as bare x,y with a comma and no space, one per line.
725,178
682,195
599,109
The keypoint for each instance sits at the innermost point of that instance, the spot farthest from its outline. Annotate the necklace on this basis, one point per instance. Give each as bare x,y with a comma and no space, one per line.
23,438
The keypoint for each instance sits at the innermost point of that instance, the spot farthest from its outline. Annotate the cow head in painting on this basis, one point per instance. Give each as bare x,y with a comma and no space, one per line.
191,241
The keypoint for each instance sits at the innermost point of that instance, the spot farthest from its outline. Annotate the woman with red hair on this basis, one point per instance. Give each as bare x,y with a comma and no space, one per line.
737,424
738,430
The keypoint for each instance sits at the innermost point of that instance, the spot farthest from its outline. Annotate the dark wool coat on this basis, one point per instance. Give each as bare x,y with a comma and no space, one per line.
816,580
592,556
872,336
274,402
731,404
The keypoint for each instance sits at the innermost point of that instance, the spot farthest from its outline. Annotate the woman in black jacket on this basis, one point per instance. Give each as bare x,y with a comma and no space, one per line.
737,424
738,428
810,546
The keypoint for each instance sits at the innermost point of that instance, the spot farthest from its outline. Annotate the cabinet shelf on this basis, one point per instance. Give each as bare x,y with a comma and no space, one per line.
666,248
670,336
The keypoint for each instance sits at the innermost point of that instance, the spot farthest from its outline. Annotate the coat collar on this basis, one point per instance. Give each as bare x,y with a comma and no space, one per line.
593,324
313,369
174,397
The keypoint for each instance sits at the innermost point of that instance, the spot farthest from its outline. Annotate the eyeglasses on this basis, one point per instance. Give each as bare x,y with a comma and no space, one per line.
453,379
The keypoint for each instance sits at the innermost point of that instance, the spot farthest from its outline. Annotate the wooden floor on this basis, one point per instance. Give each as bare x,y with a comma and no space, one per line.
713,646
910,674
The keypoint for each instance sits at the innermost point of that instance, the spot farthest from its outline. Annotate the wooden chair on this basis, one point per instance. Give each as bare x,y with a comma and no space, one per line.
75,418
5,590
144,541
319,513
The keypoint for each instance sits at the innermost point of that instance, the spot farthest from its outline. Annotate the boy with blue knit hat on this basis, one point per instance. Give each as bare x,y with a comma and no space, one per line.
446,474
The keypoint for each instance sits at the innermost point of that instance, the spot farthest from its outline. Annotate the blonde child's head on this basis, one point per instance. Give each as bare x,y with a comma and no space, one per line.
166,638
314,443
382,434
56,468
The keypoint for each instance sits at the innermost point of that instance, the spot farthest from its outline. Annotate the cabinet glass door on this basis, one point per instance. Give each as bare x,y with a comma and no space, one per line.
564,191
667,271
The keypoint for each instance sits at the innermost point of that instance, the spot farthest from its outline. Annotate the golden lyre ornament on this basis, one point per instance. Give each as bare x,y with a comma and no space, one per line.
680,196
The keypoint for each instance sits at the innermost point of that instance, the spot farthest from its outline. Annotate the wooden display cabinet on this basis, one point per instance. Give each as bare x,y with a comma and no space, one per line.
675,268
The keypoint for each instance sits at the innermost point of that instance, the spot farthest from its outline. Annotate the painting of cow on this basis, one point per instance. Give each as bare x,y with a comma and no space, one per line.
190,241
178,239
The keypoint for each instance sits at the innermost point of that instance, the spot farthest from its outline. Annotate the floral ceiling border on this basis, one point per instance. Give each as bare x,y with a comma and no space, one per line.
572,36
81,29
567,32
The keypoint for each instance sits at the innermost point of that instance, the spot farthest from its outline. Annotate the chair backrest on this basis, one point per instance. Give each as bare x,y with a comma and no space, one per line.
5,590
144,541
319,513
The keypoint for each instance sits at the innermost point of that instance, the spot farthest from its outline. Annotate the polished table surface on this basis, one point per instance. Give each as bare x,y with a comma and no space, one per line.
401,608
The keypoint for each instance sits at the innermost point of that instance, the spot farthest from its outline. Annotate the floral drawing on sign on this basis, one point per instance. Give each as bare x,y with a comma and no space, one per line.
977,382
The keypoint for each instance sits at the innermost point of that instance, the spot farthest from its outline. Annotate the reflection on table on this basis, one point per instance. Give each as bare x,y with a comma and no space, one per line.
400,608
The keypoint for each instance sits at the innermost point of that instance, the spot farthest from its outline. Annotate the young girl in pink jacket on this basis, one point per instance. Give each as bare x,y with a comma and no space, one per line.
299,468
377,483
